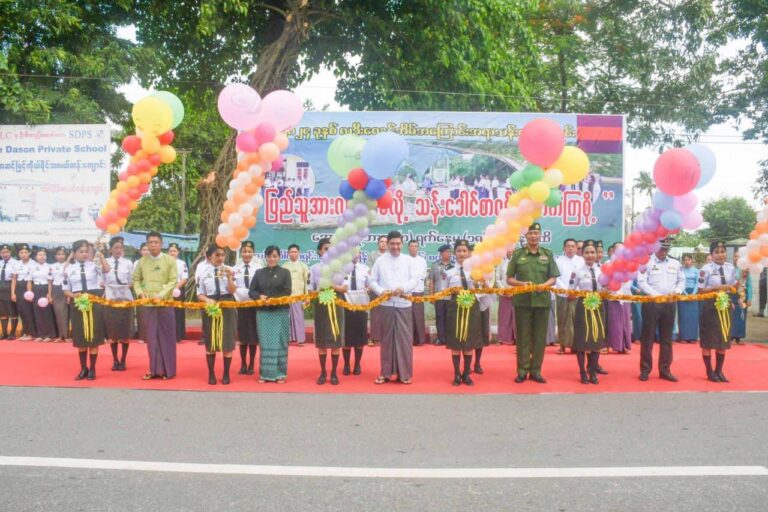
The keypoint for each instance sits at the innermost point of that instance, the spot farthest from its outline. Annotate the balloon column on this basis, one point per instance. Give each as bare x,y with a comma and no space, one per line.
259,145
552,164
366,167
754,256
155,117
677,173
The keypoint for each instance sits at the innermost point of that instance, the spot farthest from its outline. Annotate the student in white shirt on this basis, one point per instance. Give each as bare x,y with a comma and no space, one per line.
21,275
119,321
59,303
40,285
417,308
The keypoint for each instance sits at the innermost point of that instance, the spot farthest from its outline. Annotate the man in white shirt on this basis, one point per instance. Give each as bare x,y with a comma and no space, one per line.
506,315
393,273
567,263
417,308
376,327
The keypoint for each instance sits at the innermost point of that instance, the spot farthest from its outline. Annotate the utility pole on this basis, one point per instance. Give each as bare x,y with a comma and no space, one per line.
183,208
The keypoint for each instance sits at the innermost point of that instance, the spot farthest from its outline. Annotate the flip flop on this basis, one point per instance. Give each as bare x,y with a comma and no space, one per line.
381,380
149,376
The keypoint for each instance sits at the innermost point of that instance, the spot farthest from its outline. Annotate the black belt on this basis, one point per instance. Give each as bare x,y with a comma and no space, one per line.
226,296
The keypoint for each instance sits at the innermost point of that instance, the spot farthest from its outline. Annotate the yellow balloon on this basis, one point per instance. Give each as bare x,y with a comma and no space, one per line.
113,229
111,205
539,191
167,154
152,115
133,205
150,143
525,221
573,163
122,186
536,213
153,171
513,229
514,200
476,274
553,178
145,177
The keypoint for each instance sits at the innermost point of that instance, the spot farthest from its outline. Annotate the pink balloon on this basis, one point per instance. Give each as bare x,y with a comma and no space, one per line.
277,164
282,109
692,220
676,172
265,132
29,296
42,302
685,203
247,142
614,286
541,142
239,106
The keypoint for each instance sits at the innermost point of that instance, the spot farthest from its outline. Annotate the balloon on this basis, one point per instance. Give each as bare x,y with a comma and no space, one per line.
346,190
42,302
375,189
541,142
175,104
614,286
245,209
358,178
385,201
152,116
603,280
235,219
29,296
239,106
383,154
692,220
671,219
283,109
676,172
167,154
246,141
225,230
517,180
686,202
553,178
574,164
265,132
233,244
131,144
532,173
150,143
281,140
539,191
707,162
101,223
166,138
269,151
344,154
662,201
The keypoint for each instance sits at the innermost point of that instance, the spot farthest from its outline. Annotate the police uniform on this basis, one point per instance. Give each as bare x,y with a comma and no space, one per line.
7,306
589,331
213,284
86,277
23,273
531,309
660,277
438,276
712,275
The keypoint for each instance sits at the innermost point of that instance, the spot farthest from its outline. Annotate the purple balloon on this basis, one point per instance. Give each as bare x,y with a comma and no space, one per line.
332,252
654,213
364,232
603,280
654,247
620,276
338,279
341,247
639,251
360,210
353,241
349,215
620,253
348,267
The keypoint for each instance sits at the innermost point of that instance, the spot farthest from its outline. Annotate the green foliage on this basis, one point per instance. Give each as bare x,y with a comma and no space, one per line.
644,183
728,218
689,239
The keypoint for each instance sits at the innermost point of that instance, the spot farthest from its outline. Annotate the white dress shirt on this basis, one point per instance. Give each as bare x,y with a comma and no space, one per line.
390,273
567,267
118,284
420,269
40,273
662,277
362,277
58,273
93,277
241,293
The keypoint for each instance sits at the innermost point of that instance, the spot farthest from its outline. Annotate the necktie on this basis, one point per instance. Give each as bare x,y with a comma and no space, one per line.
594,281
83,280
117,278
247,276
2,272
722,276
216,282
463,278
354,279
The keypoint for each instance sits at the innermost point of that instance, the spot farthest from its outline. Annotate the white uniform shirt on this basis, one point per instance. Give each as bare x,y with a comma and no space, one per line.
58,273
420,269
712,275
241,293
584,279
119,279
206,284
23,270
40,273
181,270
662,277
9,266
74,273
567,267
390,273
362,277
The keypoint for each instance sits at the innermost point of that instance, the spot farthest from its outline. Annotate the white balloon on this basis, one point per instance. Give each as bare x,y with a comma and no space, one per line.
245,209
225,229
235,220
753,245
255,171
233,185
257,201
762,215
743,263
230,194
763,239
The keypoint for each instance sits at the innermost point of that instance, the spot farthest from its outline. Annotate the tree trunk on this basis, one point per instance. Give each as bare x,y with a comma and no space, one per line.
273,69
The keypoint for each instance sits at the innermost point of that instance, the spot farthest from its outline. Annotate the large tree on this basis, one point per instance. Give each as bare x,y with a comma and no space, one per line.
729,218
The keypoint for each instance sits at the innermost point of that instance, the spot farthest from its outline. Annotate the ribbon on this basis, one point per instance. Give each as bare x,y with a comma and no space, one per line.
592,303
213,310
464,302
83,304
723,306
327,298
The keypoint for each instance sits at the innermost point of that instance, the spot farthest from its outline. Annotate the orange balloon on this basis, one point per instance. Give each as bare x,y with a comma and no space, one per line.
145,177
153,171
754,256
122,187
251,188
239,196
221,241
223,217
242,165
140,155
764,251
258,181
113,229
122,221
761,227
133,181
229,207
111,205
240,232
753,235
233,244
249,221
133,205
252,159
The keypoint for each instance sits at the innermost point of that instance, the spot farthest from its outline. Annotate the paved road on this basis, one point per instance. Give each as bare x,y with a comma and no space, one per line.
380,431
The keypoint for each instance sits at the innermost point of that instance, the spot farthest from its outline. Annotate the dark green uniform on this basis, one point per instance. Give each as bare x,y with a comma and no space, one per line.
531,309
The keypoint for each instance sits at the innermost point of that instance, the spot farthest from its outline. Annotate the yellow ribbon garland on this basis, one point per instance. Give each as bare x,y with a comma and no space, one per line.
334,320
594,317
88,324
217,333
722,306
464,302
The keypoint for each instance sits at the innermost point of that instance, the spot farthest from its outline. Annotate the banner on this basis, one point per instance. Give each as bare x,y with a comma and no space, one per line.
53,180
454,184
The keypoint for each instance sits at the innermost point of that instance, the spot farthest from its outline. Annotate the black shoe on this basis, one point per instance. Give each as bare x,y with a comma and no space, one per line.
243,370
249,371
121,367
478,369
345,371
225,380
643,377
211,379
668,376
593,378
722,377
11,337
116,366
334,380
466,379
4,336
321,380
457,380
584,379
83,374
601,371
520,379
91,374
357,370
539,379
712,377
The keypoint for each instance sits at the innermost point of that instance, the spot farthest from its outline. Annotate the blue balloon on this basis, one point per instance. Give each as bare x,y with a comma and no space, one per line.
662,201
346,190
671,219
706,160
383,154
375,188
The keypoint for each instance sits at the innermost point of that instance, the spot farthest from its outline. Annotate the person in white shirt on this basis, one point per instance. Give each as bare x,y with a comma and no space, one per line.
355,322
376,324
183,276
59,303
417,308
119,321
21,275
506,315
247,335
7,304
40,285
393,273
567,263
200,270
589,326
139,312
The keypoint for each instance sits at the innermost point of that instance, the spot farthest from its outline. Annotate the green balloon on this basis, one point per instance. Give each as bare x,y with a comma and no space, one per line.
516,180
532,173
335,265
555,197
325,283
361,222
173,101
358,196
344,154
325,271
346,258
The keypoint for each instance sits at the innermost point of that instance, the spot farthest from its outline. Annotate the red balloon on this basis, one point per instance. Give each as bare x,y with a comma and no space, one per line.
102,223
385,201
632,266
649,237
357,178
541,142
277,164
643,259
264,132
134,193
388,182
166,138
637,237
662,232
132,170
620,265
111,217
123,176
143,166
123,211
131,144
676,172
154,159
607,268
143,188
123,199
614,286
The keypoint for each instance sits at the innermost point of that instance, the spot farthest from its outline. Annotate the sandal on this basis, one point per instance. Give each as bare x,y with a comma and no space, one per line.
561,351
262,381
149,376
381,380
406,382
280,381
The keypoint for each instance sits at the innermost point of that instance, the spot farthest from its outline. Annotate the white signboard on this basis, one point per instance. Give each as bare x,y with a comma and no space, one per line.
53,181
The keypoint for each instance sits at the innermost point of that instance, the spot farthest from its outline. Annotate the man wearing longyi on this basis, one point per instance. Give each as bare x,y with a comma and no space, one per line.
531,265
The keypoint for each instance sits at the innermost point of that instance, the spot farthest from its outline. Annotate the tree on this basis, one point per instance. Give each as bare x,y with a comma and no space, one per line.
62,62
644,183
688,239
729,218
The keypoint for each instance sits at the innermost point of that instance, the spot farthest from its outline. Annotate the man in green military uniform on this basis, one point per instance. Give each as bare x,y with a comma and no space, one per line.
531,264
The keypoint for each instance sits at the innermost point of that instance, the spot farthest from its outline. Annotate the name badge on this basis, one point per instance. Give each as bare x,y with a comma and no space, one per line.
543,258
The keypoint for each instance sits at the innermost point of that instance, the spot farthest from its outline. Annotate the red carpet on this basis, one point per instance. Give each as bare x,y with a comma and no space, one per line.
55,365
